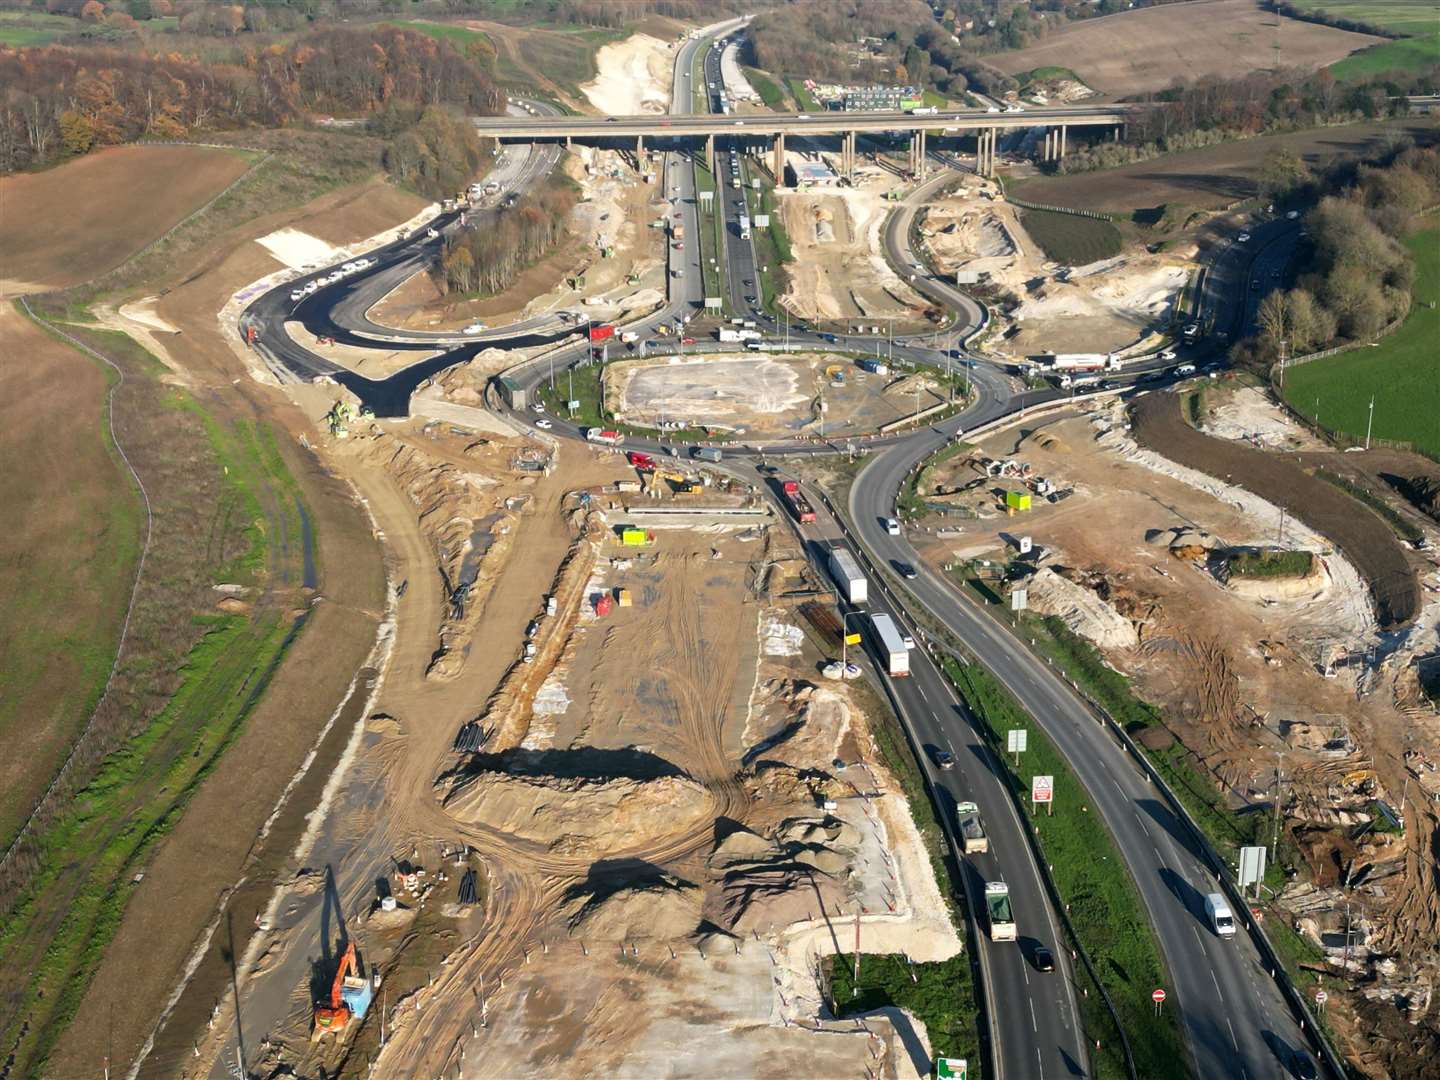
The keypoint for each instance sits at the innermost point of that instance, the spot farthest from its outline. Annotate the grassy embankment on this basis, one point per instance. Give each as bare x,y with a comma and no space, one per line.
1090,875
804,99
770,93
25,29
712,230
772,243
1270,563
226,510
1399,373
1071,240
1419,50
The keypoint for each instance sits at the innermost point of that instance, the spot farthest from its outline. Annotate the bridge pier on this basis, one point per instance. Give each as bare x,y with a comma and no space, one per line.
639,147
1063,130
710,153
778,162
847,155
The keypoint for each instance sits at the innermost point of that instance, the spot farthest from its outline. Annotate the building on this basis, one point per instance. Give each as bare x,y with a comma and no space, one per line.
805,172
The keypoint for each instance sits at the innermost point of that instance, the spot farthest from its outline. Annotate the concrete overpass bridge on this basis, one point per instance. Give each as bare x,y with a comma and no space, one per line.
985,124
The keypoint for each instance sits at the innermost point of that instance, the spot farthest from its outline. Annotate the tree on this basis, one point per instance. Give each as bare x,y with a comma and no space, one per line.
93,11
1281,173
1273,317
76,134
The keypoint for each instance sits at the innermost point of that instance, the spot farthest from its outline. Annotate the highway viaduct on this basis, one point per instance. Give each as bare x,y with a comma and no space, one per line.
985,124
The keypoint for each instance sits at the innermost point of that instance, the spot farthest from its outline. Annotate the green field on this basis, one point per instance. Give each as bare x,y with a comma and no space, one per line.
803,98
1090,875
1400,373
185,685
1071,240
1417,20
26,28
770,94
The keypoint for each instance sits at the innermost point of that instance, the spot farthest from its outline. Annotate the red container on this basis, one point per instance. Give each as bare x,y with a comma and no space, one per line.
604,604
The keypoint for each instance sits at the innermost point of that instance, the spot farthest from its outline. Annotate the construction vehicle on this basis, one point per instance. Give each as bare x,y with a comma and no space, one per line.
972,831
350,996
799,506
632,537
997,911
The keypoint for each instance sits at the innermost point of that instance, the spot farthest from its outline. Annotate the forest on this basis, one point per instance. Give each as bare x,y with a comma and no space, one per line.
1357,273
57,102
485,260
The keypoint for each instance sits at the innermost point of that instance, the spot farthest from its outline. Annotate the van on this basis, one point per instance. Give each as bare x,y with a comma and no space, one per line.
1218,912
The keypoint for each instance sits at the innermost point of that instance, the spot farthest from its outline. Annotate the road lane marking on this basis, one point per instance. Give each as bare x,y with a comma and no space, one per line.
1235,1042
1216,981
1034,1025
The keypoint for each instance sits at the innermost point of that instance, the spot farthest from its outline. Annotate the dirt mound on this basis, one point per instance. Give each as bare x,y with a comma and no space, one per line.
1080,609
584,803
1365,539
660,907
1423,492
751,869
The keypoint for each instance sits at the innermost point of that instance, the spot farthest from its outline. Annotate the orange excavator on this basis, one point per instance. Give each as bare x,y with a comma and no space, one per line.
350,996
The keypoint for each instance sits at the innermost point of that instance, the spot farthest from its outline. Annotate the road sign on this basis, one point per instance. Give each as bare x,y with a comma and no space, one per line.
1019,599
951,1068
1321,997
1157,995
1042,789
1015,740
1026,545
1252,867
852,639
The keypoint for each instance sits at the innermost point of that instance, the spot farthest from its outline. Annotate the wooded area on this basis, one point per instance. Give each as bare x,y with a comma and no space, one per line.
57,102
1357,271
486,259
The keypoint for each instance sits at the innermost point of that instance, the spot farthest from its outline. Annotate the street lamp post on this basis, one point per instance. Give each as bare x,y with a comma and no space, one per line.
1370,421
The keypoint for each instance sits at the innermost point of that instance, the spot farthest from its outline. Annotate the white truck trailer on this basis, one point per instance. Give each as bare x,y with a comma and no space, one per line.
972,831
892,645
846,572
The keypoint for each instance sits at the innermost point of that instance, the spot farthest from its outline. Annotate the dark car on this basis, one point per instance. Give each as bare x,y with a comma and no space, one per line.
749,299
1044,961
905,570
1302,1067
943,758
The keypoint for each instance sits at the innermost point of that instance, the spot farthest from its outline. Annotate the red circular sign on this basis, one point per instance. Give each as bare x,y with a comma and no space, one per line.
1157,996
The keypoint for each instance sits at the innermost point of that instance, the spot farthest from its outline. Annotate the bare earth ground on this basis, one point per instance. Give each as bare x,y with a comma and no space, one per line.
1237,670
614,214
210,846
1147,50
1102,307
766,396
838,272
632,77
113,202
57,637
1215,176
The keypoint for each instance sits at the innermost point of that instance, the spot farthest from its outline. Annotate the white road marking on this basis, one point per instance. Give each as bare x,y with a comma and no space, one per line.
1234,1041
1034,1025
1217,985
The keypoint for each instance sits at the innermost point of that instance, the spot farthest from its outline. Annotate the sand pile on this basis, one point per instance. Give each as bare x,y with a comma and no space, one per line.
1080,609
577,803
752,869
661,907
817,719
632,77
464,384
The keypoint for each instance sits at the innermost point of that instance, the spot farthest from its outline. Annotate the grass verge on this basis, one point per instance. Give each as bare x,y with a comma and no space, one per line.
804,99
1270,563
770,93
939,995
1092,879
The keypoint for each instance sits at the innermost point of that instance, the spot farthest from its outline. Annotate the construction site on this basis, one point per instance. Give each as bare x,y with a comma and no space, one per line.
1288,674
770,395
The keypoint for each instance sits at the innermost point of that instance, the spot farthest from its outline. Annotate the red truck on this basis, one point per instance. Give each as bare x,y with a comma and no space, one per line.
642,462
799,506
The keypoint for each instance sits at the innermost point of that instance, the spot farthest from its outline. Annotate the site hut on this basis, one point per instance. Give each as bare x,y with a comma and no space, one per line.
803,174
511,392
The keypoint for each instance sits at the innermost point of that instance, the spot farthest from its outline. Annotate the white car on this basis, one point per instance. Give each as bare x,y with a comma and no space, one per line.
992,108
475,328
1168,354
1244,238
543,424
1185,369
297,294
1292,215
311,287
892,526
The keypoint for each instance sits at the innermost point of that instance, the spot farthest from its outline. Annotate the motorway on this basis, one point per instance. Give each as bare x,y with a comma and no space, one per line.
1232,1012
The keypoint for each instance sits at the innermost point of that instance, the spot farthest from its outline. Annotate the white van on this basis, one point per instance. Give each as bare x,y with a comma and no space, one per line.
1221,919
891,526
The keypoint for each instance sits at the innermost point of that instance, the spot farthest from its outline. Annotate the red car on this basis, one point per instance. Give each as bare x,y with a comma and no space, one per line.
687,341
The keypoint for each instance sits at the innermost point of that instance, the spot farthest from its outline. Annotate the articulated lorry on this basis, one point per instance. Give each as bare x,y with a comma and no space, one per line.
846,572
972,830
997,911
799,505
892,645
598,435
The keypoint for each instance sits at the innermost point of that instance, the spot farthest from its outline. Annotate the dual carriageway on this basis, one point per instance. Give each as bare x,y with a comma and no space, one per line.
1233,1012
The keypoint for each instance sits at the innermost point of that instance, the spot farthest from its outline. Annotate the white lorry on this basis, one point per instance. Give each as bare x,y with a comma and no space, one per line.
892,645
846,572
1219,914
972,831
